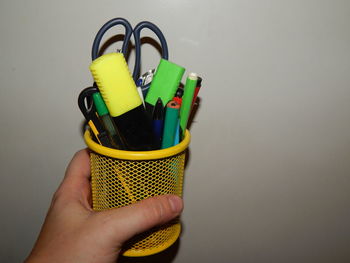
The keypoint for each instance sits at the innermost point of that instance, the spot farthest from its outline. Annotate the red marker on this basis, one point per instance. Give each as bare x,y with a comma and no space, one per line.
178,95
198,87
178,100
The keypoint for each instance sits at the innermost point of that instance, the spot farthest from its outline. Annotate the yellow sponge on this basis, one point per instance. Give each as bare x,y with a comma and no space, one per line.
115,83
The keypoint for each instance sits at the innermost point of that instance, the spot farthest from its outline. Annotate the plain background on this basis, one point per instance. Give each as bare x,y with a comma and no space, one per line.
269,174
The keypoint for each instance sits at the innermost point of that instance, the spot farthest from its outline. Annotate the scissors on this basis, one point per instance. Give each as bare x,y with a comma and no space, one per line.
136,32
87,107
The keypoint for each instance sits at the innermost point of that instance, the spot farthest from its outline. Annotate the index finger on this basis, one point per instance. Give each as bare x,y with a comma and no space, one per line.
77,178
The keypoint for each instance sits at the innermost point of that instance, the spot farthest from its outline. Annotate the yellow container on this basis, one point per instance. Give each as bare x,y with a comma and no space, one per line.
120,178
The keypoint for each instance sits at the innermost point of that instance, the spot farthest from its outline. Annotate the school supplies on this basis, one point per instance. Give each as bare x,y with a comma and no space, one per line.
90,116
119,92
196,91
117,114
170,124
164,84
177,132
136,32
158,122
145,81
178,95
107,121
187,99
145,152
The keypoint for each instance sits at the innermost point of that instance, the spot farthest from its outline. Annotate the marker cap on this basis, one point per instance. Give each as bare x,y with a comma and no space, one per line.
165,82
101,107
115,83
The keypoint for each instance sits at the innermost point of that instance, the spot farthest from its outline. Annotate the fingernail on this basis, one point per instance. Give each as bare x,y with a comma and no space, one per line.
175,203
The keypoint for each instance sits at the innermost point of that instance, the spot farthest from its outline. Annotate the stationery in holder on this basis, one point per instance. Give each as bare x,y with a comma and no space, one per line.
164,84
124,104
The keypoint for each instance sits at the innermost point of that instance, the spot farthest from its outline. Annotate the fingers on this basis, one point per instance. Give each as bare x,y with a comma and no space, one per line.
123,223
79,167
76,181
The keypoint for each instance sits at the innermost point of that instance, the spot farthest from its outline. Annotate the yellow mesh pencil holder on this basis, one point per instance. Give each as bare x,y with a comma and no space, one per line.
120,178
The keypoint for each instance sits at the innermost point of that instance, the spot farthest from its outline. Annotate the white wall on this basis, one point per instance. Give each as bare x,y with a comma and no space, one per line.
268,179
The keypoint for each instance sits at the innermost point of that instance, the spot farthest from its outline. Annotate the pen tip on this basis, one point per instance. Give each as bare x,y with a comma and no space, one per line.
159,101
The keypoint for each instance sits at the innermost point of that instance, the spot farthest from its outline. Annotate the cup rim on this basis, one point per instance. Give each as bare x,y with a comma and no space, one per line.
137,155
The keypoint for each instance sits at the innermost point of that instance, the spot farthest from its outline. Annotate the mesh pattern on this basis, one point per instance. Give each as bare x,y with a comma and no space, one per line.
118,183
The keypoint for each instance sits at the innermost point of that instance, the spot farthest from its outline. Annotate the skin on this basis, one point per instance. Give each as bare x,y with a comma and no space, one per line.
73,232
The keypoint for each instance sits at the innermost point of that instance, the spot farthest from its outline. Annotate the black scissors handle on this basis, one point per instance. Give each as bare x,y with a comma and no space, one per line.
89,110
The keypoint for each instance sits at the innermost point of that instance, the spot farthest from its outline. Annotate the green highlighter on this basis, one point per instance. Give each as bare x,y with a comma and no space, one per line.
187,99
164,84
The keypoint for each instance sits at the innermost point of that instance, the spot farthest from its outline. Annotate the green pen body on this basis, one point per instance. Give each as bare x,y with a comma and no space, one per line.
170,124
187,99
107,121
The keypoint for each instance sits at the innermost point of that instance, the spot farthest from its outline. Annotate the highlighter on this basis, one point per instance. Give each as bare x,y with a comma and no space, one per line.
119,92
187,98
164,84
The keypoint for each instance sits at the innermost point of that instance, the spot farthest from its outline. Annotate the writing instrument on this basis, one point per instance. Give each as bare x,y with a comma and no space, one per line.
164,84
139,90
178,100
179,92
118,90
107,121
90,115
177,133
178,95
170,124
187,99
158,122
145,81
196,91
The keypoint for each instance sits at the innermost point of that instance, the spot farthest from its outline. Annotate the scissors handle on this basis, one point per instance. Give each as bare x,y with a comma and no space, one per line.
128,32
104,28
137,37
88,110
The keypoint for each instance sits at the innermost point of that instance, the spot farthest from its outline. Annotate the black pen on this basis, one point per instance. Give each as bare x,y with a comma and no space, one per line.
158,122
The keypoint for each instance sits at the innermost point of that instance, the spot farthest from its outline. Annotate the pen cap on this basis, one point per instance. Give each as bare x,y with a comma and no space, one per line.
199,82
100,105
165,82
115,83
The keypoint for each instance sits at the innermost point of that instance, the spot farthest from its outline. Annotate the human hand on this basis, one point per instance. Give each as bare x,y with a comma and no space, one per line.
73,232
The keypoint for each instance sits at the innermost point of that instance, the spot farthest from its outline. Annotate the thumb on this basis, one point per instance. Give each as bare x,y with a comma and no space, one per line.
123,223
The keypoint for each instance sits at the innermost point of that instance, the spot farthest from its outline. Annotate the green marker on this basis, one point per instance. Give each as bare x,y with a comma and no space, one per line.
187,99
170,124
107,121
164,84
